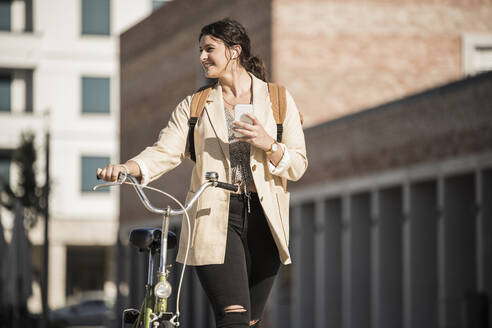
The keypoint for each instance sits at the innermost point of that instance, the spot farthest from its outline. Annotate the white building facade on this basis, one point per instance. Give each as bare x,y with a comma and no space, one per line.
59,72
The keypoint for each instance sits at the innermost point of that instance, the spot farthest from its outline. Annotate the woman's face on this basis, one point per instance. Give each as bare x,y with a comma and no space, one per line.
214,57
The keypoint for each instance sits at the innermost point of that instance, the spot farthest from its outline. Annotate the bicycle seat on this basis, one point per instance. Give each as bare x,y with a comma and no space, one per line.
146,239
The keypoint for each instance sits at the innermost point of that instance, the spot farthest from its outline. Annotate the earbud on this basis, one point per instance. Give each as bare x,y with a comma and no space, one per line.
234,53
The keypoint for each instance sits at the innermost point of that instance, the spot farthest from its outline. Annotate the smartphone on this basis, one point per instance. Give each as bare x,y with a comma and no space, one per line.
239,111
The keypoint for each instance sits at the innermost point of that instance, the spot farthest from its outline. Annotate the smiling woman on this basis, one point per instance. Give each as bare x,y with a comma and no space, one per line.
240,239
231,42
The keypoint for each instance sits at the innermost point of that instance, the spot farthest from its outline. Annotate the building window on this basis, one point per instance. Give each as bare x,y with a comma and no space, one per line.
157,3
95,95
477,54
5,92
29,24
86,269
16,16
96,17
5,160
17,82
5,15
89,166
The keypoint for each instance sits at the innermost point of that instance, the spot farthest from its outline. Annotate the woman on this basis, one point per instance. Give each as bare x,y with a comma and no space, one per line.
238,240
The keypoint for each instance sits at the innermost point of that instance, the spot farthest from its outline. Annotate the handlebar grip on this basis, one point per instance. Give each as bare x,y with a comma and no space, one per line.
119,176
227,186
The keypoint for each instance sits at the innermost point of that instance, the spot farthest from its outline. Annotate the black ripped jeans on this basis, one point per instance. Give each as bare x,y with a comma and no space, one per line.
249,269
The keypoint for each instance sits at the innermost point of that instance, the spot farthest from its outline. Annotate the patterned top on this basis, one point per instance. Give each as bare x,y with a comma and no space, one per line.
239,153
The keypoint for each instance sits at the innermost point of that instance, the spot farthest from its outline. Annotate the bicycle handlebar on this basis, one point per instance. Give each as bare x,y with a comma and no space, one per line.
211,178
227,186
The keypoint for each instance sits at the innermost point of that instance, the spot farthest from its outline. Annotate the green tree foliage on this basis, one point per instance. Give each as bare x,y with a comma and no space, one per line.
27,190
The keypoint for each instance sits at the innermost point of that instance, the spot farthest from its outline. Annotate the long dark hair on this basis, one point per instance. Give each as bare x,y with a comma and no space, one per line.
233,33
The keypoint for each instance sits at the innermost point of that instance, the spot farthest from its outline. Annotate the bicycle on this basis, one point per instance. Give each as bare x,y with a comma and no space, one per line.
153,311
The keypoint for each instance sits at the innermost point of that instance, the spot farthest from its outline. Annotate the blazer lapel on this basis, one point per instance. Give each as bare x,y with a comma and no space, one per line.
261,101
262,106
215,113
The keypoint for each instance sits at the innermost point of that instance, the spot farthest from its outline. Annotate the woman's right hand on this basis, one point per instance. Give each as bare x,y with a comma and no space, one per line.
111,171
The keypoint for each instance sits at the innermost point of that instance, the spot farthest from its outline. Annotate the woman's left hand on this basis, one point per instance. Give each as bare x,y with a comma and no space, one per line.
254,133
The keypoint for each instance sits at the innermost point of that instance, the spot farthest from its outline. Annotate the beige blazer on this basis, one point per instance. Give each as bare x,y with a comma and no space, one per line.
209,217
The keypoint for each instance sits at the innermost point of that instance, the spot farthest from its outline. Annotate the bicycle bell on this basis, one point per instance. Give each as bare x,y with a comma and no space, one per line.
212,176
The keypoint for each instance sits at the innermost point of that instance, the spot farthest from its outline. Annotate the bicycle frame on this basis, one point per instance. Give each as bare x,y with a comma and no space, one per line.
154,306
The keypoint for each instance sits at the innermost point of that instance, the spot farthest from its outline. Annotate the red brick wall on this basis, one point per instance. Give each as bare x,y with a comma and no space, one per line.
339,57
447,122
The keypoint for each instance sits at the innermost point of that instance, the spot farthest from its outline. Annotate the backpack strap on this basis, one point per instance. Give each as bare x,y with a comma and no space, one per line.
279,106
196,109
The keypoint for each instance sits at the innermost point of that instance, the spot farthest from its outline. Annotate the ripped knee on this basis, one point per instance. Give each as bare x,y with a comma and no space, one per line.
234,308
233,316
